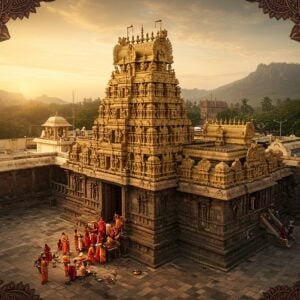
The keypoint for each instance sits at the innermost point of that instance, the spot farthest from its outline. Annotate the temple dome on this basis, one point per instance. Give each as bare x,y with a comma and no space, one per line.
56,121
222,167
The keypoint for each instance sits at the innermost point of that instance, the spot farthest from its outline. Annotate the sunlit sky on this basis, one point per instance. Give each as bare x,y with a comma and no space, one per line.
68,44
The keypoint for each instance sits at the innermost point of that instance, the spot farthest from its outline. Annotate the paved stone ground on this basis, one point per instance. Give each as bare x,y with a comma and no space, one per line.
23,234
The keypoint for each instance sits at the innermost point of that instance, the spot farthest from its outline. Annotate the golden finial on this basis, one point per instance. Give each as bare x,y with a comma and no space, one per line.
142,34
158,21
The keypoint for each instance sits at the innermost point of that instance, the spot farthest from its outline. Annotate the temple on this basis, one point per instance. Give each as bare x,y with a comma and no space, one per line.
204,199
198,199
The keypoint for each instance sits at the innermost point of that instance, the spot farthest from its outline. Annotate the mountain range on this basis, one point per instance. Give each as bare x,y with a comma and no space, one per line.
276,80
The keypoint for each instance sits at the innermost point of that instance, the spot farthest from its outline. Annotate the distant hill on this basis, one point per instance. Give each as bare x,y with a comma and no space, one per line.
9,98
276,80
193,94
48,100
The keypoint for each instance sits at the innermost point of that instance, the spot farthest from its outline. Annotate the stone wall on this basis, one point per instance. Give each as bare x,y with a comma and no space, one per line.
25,187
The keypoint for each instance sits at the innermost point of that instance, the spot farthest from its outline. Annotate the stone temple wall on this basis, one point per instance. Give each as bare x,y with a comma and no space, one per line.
25,187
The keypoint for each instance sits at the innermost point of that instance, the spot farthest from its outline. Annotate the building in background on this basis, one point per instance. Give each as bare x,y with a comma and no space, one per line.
209,109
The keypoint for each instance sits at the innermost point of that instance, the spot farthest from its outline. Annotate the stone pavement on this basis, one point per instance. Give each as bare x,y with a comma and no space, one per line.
23,234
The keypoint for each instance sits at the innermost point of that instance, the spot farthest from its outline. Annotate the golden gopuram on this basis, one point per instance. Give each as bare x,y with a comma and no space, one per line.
201,199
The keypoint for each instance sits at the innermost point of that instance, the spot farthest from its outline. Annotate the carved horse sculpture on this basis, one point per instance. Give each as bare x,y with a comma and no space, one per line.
13,9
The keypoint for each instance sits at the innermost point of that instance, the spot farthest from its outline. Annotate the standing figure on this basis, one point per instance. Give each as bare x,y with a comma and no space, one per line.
72,271
97,253
80,242
44,271
47,253
86,240
93,238
65,243
76,237
66,261
102,254
38,263
91,254
59,245
101,227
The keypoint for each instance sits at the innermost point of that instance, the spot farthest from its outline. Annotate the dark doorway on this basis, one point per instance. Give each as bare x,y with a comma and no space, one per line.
112,201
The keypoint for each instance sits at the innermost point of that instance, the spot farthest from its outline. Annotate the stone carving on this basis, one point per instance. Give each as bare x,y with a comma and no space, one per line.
20,290
282,292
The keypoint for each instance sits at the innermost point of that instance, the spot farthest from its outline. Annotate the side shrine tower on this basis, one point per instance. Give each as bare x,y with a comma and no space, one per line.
129,166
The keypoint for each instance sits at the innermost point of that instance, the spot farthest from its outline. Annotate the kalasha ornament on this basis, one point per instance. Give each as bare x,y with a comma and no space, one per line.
283,9
13,9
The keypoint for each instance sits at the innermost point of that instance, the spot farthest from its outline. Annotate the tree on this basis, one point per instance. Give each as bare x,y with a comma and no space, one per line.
266,104
246,109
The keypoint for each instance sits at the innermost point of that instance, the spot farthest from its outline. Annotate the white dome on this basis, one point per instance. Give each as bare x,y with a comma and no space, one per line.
56,121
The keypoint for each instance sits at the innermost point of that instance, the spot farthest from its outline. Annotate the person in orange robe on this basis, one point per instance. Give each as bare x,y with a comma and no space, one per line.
65,243
80,243
66,261
97,253
47,253
102,254
91,254
76,236
44,271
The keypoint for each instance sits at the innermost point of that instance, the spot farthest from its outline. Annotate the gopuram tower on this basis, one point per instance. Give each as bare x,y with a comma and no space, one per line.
130,164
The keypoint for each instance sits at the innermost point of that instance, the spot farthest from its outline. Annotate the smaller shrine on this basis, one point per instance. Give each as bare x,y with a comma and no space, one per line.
54,136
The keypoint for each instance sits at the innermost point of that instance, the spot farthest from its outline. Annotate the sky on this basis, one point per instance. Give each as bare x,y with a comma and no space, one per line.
68,44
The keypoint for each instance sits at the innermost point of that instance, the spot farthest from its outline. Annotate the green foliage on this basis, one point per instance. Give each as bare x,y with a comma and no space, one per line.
266,104
26,119
287,111
193,111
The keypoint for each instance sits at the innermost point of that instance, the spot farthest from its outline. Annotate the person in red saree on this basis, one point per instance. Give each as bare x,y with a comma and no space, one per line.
72,271
91,254
86,239
93,238
101,227
65,243
76,236
44,271
283,233
47,253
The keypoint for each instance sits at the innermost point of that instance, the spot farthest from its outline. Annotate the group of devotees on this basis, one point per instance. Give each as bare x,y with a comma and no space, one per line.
97,238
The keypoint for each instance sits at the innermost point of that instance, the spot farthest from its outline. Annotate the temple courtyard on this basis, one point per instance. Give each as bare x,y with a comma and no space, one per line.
24,233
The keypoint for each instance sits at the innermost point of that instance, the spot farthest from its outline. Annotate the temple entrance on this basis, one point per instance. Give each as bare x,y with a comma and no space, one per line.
112,201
